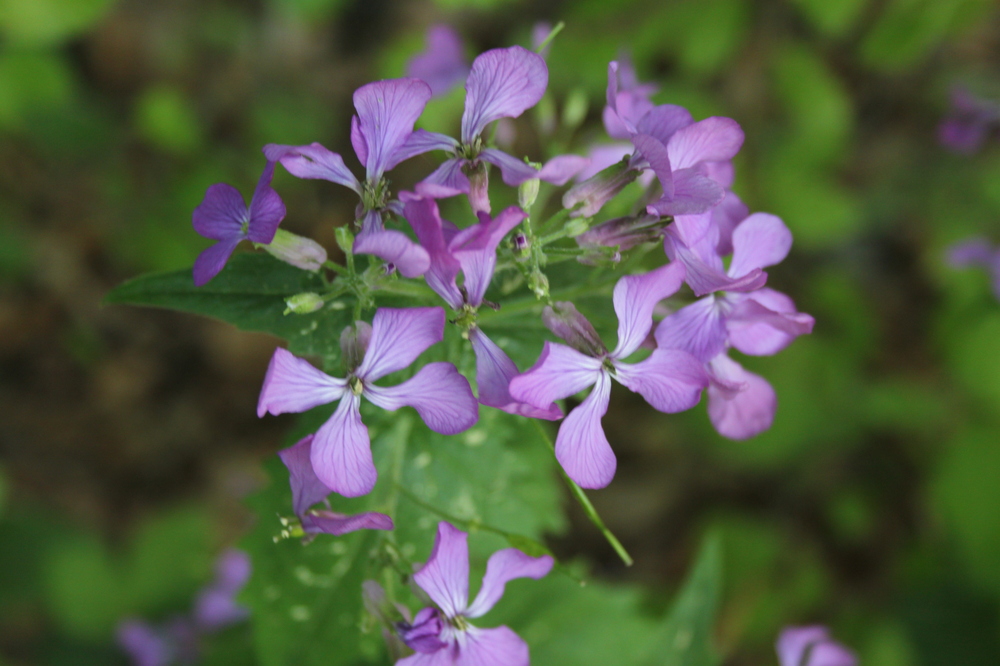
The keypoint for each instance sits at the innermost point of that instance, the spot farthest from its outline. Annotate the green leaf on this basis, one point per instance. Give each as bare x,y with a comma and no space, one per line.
249,293
686,637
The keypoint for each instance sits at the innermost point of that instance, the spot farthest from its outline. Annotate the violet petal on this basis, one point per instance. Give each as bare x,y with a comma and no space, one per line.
635,296
221,214
742,414
559,372
670,380
503,83
503,566
512,170
759,241
387,111
341,451
338,524
713,139
698,328
442,64
445,575
317,162
441,396
409,258
293,385
581,446
399,336
494,370
212,260
307,489
499,646
267,210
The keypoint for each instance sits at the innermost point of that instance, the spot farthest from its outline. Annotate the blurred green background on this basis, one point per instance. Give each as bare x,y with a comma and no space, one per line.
128,437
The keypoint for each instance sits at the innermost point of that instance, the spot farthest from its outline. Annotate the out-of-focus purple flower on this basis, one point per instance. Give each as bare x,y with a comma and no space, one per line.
223,216
380,133
977,252
443,636
216,607
144,644
442,65
812,646
670,380
472,252
970,119
340,451
308,490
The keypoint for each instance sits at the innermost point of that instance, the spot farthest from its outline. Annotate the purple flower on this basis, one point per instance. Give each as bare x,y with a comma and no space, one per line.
442,66
216,607
669,379
341,454
969,121
812,646
380,134
144,644
472,252
308,490
443,636
224,217
741,404
977,252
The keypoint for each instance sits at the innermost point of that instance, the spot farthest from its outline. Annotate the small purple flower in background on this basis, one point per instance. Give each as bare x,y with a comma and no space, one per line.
223,216
970,119
670,380
308,490
216,607
442,65
340,451
812,646
980,253
147,645
443,636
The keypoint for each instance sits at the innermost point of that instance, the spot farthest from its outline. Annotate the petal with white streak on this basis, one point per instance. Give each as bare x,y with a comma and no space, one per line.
341,451
581,445
399,336
441,396
293,385
445,576
670,380
559,372
503,566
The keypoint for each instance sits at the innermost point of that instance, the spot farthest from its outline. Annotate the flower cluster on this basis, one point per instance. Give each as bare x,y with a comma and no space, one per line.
669,355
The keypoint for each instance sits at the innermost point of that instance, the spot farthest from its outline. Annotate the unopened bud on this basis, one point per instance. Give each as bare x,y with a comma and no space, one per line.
345,239
527,193
303,303
563,319
354,343
600,188
576,226
521,246
296,250
625,232
479,188
575,109
539,284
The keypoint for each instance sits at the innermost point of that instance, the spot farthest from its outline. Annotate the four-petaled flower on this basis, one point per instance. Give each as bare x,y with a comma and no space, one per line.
669,379
443,636
341,453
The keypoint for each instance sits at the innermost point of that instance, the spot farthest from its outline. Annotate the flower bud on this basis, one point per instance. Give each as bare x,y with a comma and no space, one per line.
296,250
479,188
538,283
624,232
600,188
576,226
521,246
563,319
345,239
527,193
303,303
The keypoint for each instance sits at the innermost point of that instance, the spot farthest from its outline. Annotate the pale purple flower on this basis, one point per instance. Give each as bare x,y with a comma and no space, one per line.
741,404
145,644
977,252
812,646
380,134
341,453
442,65
970,119
308,490
670,380
215,606
224,217
443,636
472,252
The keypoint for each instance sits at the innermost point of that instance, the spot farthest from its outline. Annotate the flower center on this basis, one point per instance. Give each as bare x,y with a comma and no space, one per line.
357,386
374,196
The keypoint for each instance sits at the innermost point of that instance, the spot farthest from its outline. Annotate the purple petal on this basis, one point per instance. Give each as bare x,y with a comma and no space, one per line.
232,570
759,241
424,218
387,111
424,633
559,372
492,647
831,654
635,296
341,451
670,380
503,83
409,258
358,140
563,319
691,230
475,248
315,161
765,322
445,576
420,142
742,413
293,385
494,370
795,642
698,328
729,213
221,214
561,168
215,609
307,489
143,644
581,445
693,193
963,135
513,170
703,270
441,396
661,122
713,139
212,260
337,524
442,65
399,336
603,156
659,160
447,180
442,657
267,210
972,252
503,566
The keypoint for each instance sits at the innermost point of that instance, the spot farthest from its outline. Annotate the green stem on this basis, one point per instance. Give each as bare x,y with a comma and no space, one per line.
588,508
336,268
555,31
559,217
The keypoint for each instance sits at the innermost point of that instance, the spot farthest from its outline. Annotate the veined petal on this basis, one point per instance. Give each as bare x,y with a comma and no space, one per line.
635,296
581,445
441,396
425,219
494,370
739,414
443,657
693,193
475,248
561,168
267,210
512,170
399,336
341,451
729,213
764,322
358,140
213,259
603,156
293,385
421,141
221,214
337,524
503,83
408,257
503,566
386,113
659,161
492,647
307,489
316,162
670,380
558,373
447,180
660,122
445,576
759,241
698,328
704,270
710,140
